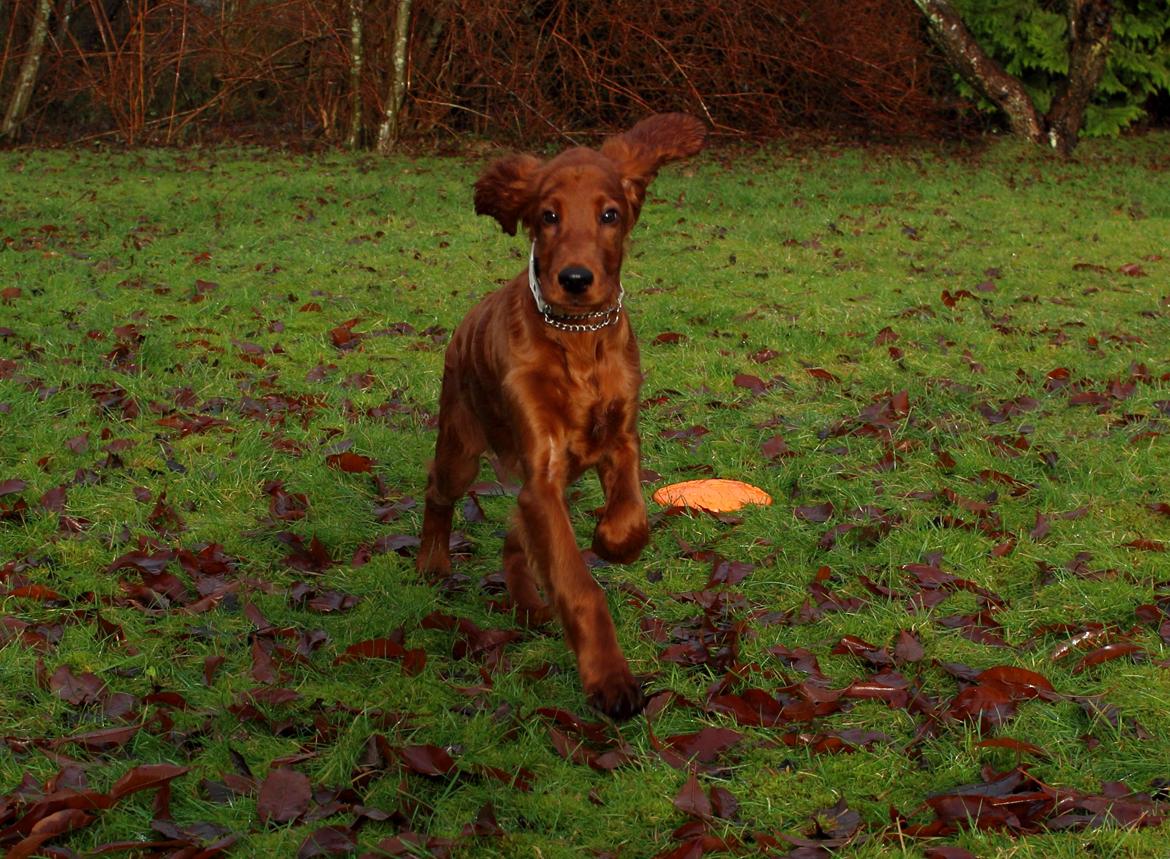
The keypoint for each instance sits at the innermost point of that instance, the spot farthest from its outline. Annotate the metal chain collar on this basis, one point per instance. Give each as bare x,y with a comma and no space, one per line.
574,322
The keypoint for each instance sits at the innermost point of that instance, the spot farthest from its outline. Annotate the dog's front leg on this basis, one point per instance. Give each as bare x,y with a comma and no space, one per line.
623,531
579,601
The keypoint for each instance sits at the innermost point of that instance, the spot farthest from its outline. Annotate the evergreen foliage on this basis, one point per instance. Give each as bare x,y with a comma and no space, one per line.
1029,39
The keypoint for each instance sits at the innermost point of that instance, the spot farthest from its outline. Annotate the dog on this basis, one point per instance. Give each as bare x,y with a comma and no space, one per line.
544,373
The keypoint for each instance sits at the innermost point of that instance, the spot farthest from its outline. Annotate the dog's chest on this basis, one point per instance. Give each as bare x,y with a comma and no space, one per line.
600,403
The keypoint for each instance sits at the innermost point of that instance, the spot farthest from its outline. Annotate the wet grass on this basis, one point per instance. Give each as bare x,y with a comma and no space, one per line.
963,352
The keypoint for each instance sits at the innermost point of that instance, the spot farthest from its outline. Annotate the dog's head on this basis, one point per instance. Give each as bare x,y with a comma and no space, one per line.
579,207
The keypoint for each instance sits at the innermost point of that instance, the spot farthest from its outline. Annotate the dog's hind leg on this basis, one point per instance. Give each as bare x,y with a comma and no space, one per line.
531,609
455,466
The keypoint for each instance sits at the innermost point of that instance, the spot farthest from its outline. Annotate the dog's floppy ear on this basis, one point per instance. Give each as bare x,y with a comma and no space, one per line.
654,141
504,190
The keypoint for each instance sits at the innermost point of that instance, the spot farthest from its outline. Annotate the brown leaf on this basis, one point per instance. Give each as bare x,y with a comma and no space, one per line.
725,572
1145,545
313,558
55,499
692,800
753,383
283,505
284,796
36,592
328,841
142,561
146,777
776,448
57,823
384,648
822,375
1024,683
815,512
1106,653
85,688
704,745
103,739
724,805
263,670
210,666
427,760
350,462
991,703
1017,746
343,335
908,648
12,486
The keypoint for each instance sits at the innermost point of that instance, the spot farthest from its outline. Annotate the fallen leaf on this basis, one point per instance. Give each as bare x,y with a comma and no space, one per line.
328,841
818,513
12,486
692,800
704,745
350,462
1017,746
146,777
427,760
1106,654
284,796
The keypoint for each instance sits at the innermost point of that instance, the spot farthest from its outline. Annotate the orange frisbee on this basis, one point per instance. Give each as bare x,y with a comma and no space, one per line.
715,495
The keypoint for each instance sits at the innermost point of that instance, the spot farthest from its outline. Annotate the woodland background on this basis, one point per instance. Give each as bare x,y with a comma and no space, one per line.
373,73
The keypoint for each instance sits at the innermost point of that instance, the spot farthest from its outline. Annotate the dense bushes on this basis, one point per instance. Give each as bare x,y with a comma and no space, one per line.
175,71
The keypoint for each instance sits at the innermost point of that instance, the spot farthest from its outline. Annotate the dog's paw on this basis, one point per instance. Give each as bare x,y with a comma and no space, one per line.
533,616
619,697
433,569
620,544
433,561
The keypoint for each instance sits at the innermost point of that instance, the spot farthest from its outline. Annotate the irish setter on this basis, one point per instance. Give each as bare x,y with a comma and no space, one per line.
544,373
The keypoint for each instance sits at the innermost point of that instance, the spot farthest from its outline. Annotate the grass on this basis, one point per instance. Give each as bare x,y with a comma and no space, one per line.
233,267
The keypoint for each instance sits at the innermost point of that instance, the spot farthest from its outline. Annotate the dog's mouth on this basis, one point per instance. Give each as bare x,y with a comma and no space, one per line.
574,300
574,287
596,300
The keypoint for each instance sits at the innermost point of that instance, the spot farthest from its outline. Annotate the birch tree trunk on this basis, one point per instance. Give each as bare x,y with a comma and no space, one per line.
356,61
26,81
396,95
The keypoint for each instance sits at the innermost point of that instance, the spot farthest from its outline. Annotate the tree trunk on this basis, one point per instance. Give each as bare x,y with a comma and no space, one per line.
356,60
1090,30
396,96
980,70
26,81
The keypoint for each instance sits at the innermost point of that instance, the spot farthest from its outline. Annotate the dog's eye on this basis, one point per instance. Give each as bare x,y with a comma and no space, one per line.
610,216
550,217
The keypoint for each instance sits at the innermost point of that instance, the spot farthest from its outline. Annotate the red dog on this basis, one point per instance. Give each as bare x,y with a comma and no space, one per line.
544,373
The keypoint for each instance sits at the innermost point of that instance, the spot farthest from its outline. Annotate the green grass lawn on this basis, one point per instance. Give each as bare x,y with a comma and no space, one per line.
950,369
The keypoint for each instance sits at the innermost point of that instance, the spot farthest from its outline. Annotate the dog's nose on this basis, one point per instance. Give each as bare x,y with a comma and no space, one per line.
575,279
